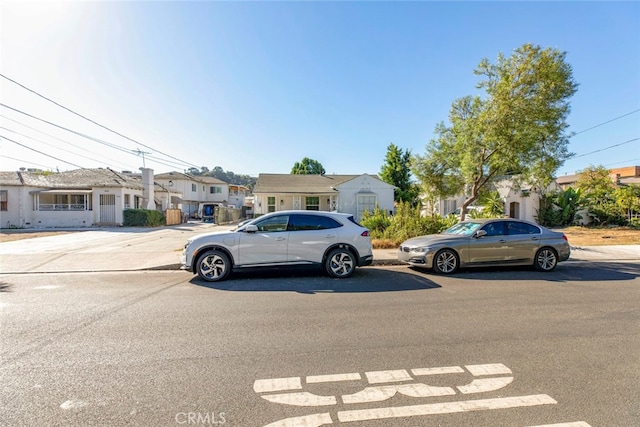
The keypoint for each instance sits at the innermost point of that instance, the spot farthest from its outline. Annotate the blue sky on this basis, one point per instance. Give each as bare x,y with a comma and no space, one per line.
254,87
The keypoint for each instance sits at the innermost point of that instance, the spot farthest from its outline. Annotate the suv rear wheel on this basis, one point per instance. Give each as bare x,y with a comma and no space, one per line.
340,263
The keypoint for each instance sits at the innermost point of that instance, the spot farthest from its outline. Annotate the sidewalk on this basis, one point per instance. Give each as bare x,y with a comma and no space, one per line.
134,249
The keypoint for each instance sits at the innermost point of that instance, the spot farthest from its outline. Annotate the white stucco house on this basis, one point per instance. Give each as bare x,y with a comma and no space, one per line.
352,194
77,198
520,201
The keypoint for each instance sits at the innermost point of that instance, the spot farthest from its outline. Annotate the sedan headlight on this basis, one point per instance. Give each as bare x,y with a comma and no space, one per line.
421,249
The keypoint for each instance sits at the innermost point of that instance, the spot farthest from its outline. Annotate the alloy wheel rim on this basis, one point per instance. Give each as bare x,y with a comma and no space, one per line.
341,264
446,262
213,266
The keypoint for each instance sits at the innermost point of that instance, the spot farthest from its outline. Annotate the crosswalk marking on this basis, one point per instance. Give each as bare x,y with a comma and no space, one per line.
277,384
444,408
313,379
377,377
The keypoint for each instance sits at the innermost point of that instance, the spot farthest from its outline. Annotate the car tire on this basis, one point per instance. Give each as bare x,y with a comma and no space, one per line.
446,262
546,259
340,263
213,266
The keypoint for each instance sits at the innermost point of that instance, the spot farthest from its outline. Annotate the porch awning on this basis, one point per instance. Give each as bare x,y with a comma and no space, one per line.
176,199
59,191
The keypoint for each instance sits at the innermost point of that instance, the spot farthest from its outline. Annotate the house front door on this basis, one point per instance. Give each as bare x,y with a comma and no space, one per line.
107,208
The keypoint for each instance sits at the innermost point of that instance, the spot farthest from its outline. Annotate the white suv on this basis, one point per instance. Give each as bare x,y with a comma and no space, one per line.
332,240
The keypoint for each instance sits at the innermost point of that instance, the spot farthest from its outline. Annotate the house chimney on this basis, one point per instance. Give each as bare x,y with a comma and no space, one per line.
148,189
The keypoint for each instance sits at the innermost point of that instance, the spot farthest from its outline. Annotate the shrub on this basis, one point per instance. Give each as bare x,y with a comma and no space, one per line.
143,218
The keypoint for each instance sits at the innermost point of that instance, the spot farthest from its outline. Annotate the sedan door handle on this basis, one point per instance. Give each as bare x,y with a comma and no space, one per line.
280,239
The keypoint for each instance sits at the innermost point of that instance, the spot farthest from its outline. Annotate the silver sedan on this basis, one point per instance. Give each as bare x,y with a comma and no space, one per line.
485,242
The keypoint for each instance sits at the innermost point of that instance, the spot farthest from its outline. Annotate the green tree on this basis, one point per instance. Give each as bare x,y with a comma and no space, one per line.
518,129
492,203
628,199
397,172
598,189
308,167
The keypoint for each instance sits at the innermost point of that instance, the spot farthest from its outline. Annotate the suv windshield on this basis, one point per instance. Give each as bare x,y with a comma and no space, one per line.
466,228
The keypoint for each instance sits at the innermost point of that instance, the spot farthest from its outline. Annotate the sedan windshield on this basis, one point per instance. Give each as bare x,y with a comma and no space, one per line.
466,228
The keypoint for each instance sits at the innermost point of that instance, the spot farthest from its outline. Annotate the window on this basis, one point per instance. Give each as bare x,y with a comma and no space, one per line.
215,190
521,228
449,206
494,229
311,222
3,200
271,204
193,188
366,203
313,203
127,201
273,224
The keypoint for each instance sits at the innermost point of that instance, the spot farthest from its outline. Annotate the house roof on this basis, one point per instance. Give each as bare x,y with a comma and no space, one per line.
79,178
290,183
189,177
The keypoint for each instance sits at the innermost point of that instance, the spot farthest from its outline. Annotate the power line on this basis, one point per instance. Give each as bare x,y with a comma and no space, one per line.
94,122
108,144
24,161
606,148
608,121
40,152
45,143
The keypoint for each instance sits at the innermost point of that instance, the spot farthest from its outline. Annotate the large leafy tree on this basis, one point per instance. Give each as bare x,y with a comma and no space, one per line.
598,189
396,171
308,167
517,128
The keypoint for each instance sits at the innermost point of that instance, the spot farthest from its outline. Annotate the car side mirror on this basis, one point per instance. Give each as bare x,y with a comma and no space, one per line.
480,233
251,228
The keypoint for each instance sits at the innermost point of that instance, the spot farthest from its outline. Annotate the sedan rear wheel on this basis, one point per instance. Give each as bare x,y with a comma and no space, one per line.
213,266
340,263
445,262
546,259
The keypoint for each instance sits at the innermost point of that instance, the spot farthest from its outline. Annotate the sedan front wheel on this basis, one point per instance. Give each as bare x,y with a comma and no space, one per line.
445,262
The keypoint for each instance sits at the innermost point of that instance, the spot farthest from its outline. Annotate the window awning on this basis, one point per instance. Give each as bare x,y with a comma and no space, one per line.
176,199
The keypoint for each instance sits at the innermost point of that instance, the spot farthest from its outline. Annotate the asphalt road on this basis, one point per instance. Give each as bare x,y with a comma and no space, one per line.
388,347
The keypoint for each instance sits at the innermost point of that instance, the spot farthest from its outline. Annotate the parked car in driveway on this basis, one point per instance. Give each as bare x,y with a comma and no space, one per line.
483,242
332,240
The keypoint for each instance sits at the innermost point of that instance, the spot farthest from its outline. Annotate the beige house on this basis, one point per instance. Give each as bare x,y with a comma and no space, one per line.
352,194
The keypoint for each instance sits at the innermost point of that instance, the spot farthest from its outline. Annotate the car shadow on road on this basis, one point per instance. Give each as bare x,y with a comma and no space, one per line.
566,272
314,280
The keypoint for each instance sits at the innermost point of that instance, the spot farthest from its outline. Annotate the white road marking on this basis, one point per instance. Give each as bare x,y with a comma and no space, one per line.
437,371
313,379
485,384
571,424
277,384
488,369
377,377
73,404
380,393
445,408
314,420
47,287
301,399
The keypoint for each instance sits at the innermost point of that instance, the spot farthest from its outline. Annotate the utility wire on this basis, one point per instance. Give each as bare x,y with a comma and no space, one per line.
94,122
24,161
108,144
45,143
608,121
606,148
40,152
